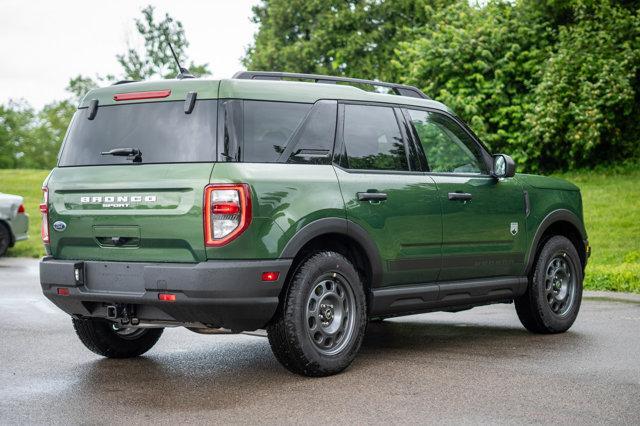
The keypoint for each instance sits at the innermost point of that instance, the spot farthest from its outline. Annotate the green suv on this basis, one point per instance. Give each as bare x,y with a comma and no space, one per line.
298,203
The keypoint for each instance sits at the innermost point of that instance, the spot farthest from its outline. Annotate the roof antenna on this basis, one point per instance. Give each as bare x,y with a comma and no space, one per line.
184,73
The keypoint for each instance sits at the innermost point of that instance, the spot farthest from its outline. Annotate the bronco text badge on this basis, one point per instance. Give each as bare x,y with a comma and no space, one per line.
115,201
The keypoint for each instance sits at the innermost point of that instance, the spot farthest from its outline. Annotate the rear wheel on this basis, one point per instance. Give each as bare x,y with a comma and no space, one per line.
5,239
107,339
552,301
320,326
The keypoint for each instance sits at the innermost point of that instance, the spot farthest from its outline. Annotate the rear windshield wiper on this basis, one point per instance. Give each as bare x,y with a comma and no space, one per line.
131,153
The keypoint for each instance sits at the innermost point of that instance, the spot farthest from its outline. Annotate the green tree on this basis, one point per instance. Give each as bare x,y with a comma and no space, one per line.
153,61
337,37
484,63
16,125
555,83
588,101
80,85
156,59
30,139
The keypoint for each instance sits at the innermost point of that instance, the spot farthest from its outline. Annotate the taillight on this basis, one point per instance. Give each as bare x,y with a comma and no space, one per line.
44,209
21,208
227,212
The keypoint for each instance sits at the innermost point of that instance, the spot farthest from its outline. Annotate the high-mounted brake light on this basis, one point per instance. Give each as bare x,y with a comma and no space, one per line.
21,208
227,212
44,209
135,96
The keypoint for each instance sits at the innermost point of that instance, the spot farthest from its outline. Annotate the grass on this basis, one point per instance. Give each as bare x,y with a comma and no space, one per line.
611,199
28,184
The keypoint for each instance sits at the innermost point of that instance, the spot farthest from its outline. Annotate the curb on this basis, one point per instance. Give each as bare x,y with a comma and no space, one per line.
612,295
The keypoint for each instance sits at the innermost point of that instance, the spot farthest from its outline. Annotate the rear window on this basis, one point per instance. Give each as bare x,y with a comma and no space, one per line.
160,130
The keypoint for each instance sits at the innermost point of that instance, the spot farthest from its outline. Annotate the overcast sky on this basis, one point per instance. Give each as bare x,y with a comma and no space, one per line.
45,43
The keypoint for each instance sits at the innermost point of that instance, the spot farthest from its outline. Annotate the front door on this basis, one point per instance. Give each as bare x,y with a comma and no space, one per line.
387,195
483,218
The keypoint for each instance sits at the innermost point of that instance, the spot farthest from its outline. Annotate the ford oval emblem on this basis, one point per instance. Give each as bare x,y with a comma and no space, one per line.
59,225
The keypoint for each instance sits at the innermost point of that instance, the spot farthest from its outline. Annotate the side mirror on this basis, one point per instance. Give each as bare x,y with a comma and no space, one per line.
503,166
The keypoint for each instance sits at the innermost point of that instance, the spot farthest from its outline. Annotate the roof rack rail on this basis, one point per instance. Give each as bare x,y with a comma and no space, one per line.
123,82
398,89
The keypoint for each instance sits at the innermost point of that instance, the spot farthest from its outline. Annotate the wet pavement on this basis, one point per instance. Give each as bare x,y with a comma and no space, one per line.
478,366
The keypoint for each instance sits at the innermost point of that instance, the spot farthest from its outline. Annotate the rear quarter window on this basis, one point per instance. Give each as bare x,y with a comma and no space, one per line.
268,128
277,132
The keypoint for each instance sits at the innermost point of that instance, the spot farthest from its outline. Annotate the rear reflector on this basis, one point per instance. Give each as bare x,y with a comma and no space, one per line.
167,297
21,208
63,291
135,96
270,276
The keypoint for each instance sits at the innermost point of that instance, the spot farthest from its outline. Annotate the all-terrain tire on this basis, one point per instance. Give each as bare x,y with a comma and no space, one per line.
291,334
100,337
539,309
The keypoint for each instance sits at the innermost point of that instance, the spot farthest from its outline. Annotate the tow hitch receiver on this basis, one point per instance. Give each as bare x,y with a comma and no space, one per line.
125,313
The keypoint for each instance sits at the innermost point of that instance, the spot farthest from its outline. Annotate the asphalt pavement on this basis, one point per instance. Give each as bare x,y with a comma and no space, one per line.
478,366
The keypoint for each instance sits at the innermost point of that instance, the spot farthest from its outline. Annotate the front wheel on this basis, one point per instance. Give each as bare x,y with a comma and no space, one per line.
107,339
552,301
319,328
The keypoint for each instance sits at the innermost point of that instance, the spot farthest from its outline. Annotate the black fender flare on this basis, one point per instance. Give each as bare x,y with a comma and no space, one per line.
341,226
560,215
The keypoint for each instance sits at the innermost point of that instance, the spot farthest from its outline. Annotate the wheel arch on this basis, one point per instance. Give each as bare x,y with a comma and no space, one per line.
558,222
343,236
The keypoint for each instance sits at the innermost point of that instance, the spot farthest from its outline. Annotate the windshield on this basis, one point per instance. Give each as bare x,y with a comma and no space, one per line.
161,131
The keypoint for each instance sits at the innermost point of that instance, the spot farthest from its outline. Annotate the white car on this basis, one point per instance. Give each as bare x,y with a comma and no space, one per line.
14,221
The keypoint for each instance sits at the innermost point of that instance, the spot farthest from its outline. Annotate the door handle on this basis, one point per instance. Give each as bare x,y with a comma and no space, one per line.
460,196
371,196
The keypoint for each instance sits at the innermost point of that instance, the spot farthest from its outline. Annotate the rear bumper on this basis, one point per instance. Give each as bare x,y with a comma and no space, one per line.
20,227
229,294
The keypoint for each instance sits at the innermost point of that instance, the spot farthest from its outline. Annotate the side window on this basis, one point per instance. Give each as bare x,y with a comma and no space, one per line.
313,144
267,128
448,148
372,138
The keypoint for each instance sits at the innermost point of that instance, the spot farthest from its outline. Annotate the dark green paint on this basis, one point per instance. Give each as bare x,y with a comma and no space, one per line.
421,235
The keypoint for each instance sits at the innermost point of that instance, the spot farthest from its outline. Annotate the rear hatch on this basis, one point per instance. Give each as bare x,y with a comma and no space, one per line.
130,206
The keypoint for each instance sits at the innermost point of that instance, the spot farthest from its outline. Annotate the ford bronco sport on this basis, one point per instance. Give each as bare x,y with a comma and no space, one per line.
302,204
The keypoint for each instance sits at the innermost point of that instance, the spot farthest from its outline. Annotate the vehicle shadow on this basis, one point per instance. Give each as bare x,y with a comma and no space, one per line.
235,371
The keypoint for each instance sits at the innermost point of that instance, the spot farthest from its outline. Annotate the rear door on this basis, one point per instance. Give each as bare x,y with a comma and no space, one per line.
386,194
483,218
108,207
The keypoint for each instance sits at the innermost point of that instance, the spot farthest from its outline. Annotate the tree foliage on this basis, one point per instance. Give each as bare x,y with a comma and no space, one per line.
156,59
31,139
354,37
588,99
555,83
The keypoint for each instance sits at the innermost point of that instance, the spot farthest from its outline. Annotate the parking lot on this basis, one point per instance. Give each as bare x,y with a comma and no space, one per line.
478,366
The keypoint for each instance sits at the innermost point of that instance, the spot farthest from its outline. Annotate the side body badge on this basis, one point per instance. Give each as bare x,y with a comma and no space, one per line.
514,228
